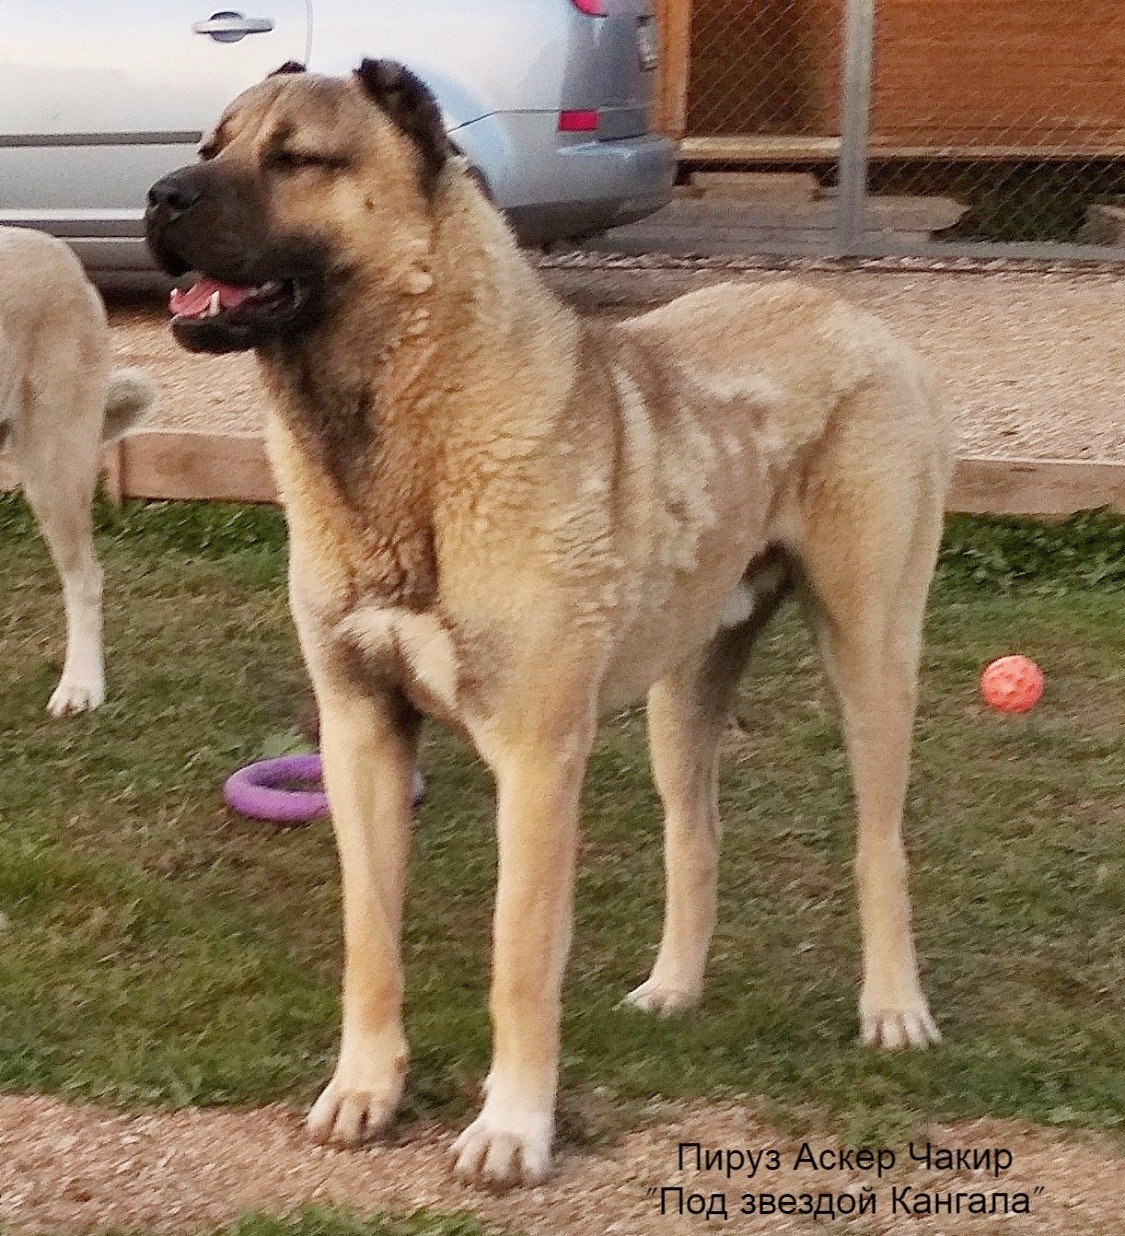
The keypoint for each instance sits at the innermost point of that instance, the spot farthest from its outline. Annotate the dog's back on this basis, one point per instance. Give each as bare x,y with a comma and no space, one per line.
794,355
41,276
51,319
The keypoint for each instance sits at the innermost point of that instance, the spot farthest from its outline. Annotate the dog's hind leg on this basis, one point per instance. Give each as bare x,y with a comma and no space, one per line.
368,741
687,713
59,474
684,732
868,566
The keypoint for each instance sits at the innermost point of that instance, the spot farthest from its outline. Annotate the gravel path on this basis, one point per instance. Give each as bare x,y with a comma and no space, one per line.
67,1169
1034,363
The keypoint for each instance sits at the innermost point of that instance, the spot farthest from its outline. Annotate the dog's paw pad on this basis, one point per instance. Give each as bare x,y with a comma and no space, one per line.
895,1029
342,1117
488,1153
70,697
663,999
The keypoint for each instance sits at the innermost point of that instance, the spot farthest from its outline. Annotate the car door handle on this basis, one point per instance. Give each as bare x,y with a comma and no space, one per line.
228,27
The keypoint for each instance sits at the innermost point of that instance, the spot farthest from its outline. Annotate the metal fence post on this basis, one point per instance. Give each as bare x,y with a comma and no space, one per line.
855,121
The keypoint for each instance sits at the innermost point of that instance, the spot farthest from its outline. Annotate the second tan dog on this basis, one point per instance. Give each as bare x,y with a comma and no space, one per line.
61,401
512,522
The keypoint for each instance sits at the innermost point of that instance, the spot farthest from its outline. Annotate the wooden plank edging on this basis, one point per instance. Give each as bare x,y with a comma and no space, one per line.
983,485
755,148
188,464
164,463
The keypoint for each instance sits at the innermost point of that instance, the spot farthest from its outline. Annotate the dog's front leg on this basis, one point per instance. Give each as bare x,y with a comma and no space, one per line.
368,745
539,790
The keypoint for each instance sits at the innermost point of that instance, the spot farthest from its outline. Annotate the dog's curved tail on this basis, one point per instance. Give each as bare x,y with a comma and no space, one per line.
129,399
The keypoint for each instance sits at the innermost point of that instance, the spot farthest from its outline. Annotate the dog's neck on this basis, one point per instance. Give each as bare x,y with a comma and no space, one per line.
389,400
409,340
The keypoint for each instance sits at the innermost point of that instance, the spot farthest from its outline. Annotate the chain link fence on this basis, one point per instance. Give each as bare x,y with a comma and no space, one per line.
769,68
922,127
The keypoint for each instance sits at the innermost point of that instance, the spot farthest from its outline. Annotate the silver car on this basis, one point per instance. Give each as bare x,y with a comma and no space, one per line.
550,99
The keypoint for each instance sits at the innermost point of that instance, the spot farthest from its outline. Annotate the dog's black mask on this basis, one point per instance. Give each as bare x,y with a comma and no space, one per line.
257,290
264,286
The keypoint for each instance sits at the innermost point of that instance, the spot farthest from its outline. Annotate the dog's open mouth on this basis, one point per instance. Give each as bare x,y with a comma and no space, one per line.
208,298
212,316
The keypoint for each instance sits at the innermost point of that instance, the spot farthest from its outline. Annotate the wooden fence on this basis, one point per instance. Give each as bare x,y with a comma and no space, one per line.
174,464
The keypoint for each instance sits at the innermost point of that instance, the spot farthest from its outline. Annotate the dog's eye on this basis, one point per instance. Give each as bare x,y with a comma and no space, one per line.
294,160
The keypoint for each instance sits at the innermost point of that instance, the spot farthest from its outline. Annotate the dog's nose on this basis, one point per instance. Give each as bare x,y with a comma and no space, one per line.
175,193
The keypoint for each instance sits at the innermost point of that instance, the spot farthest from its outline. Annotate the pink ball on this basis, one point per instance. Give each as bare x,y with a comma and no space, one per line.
1012,684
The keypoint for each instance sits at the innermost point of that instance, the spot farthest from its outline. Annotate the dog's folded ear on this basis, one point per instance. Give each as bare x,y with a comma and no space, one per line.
290,66
408,102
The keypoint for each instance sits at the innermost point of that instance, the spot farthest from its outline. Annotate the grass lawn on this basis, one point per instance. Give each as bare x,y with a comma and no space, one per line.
160,950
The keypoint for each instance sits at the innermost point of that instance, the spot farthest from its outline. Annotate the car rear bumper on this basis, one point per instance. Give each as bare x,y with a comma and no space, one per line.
554,186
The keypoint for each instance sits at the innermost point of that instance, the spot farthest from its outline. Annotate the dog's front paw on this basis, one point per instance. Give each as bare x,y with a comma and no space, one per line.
349,1114
502,1149
664,998
76,695
892,1026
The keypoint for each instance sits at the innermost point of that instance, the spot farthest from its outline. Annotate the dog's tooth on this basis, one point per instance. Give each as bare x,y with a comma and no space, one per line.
213,305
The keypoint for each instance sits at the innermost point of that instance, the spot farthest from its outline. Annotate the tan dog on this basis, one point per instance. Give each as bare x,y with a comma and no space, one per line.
509,522
60,402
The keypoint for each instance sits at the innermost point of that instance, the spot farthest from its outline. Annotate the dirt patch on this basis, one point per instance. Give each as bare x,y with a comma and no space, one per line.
217,393
67,1169
1033,363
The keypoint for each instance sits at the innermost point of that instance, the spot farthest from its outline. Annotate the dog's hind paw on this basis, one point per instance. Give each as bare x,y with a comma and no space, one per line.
74,695
893,1029
342,1117
664,999
501,1153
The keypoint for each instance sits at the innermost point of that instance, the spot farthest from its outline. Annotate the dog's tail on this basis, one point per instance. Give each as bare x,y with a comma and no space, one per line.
128,400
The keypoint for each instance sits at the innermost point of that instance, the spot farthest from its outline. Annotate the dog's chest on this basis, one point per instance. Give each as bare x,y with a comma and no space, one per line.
415,652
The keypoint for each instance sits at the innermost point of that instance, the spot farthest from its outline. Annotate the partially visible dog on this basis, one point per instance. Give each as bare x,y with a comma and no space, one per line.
61,401
511,521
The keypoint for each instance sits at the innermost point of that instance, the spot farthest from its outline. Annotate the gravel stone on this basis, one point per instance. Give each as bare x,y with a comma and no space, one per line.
1033,361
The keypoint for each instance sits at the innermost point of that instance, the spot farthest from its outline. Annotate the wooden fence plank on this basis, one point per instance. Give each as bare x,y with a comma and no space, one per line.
169,464
218,467
987,486
674,17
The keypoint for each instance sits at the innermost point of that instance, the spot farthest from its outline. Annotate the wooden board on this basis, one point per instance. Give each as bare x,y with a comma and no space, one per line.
996,73
174,464
234,467
674,18
167,463
985,486
759,148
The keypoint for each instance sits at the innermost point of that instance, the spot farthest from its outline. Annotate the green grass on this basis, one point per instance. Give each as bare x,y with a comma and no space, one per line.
160,950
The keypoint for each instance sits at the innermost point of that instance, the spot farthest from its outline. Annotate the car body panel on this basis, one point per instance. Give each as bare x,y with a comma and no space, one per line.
100,101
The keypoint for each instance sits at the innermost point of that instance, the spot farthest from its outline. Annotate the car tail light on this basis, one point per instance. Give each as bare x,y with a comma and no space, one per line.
578,121
592,8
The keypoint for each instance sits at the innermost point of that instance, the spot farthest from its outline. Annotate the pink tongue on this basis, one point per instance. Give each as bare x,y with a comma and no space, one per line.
194,302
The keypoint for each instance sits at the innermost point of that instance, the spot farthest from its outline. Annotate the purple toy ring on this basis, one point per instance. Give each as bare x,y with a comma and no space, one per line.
258,790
